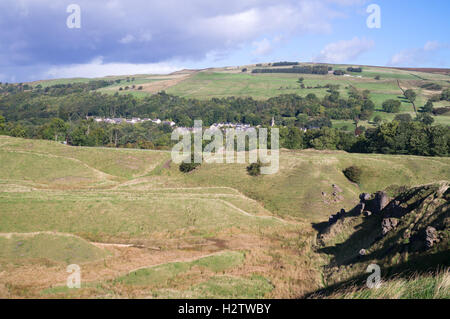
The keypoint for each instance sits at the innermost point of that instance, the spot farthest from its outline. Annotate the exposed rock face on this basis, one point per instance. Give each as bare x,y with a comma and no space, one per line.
415,225
359,209
334,218
388,224
381,201
431,236
374,203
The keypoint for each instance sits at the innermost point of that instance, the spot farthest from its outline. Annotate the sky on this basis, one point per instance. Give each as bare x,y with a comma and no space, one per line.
44,39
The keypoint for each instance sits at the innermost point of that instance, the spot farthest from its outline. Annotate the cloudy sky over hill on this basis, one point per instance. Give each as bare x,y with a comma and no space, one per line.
142,36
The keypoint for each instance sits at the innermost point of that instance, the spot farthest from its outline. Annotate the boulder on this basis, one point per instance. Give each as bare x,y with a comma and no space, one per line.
364,197
337,188
395,209
381,201
431,236
388,224
367,213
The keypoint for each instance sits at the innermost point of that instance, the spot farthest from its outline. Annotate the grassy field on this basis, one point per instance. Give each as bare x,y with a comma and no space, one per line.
140,228
225,82
218,83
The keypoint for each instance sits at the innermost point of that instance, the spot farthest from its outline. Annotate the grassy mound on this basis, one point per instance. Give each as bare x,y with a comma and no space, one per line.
20,248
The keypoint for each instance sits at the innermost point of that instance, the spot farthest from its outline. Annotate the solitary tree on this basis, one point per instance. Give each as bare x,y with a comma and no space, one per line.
411,96
428,107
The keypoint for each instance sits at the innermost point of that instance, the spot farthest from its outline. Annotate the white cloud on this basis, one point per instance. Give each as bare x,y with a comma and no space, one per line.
262,47
127,39
97,68
432,46
348,2
418,56
345,50
151,31
143,36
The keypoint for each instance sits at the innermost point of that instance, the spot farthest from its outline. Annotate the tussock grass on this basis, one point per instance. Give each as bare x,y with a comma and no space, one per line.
419,286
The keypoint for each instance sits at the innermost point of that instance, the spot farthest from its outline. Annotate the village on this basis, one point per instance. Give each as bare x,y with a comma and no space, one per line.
137,120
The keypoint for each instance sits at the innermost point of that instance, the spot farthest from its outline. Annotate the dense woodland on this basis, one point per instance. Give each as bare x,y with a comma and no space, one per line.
61,113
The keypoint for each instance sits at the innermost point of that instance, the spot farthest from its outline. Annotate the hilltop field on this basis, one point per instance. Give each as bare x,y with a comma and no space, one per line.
138,227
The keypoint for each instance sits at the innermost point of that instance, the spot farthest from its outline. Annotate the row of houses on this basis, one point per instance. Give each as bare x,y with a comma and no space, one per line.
236,126
134,120
220,126
216,126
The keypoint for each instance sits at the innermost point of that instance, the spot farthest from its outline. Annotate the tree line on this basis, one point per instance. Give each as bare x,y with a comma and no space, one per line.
60,113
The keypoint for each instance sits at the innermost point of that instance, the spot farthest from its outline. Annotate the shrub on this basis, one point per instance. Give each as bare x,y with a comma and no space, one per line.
189,167
377,119
254,169
403,118
445,96
353,173
441,110
351,69
432,86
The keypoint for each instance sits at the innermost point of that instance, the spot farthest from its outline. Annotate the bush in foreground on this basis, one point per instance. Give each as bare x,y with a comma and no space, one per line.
353,173
189,167
254,169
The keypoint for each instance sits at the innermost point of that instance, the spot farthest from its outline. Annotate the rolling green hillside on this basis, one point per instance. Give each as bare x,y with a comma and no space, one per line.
133,209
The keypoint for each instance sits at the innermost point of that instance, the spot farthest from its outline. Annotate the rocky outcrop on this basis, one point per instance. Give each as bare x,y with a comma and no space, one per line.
388,224
431,236
410,231
417,218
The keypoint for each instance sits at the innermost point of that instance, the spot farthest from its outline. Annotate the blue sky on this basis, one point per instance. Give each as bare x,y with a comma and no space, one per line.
145,36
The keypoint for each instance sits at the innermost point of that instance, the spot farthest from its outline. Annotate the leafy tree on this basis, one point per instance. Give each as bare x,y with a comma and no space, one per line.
425,118
291,138
58,128
410,95
377,119
391,106
428,107
445,96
